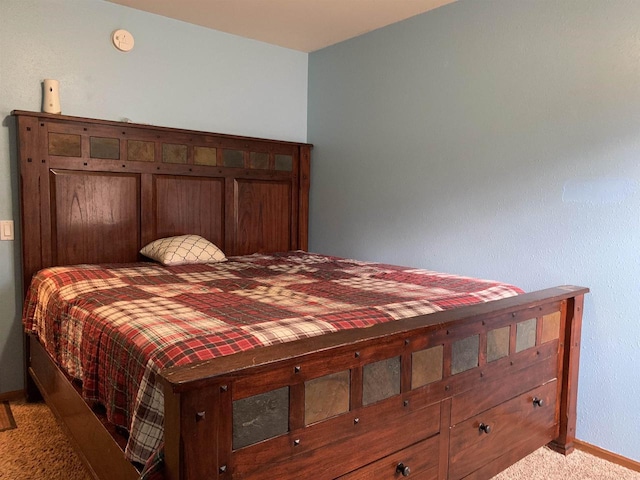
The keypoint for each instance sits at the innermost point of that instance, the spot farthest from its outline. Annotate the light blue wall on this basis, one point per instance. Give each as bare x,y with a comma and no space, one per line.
498,139
178,75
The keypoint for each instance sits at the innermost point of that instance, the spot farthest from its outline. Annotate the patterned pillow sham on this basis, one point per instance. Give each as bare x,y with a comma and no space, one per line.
182,250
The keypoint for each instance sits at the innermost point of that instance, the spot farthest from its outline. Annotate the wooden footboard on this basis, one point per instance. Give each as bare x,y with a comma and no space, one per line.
456,394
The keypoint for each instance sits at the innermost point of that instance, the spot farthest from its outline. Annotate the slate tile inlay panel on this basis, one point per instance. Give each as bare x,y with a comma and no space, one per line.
380,380
260,417
464,354
426,366
326,397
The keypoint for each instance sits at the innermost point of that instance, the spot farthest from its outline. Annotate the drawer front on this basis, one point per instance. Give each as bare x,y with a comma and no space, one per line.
418,462
490,434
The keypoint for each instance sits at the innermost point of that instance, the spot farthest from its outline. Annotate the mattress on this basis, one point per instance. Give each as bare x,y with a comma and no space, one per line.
115,327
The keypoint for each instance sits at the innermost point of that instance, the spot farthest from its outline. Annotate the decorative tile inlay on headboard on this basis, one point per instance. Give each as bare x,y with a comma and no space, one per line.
205,156
172,153
139,151
233,158
259,160
65,145
284,163
108,148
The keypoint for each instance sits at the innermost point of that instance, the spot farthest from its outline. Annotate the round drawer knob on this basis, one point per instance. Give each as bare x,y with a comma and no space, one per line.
538,402
403,469
485,428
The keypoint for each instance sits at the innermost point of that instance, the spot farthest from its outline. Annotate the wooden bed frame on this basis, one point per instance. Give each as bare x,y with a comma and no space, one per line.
459,394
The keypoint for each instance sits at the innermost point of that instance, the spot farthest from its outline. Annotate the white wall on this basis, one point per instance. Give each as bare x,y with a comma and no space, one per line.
497,139
178,75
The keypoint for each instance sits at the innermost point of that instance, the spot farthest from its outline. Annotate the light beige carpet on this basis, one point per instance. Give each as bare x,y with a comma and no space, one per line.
544,464
37,449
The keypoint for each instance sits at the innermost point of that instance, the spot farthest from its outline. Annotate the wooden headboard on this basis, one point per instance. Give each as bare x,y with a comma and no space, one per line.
96,191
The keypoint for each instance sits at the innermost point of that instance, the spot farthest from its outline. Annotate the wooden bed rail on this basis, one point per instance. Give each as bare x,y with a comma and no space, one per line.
203,400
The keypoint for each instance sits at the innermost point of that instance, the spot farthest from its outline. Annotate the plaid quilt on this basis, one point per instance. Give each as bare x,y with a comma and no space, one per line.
114,327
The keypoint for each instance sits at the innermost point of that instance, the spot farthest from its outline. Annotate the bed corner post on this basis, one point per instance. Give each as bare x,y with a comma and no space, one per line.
31,170
303,197
172,450
192,432
569,382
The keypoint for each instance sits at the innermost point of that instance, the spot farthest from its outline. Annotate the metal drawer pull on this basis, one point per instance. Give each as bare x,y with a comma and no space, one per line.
538,402
485,428
403,469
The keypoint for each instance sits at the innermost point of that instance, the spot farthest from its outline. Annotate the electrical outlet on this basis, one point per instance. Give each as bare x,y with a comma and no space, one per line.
6,230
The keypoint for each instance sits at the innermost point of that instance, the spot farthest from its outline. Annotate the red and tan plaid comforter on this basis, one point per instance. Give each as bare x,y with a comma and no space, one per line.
115,326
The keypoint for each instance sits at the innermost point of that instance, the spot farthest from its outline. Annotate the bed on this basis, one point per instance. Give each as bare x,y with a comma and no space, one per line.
438,392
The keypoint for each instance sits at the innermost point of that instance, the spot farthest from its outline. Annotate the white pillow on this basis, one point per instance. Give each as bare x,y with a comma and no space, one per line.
183,250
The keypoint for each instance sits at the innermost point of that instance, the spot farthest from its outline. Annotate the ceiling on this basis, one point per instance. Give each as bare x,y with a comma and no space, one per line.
305,25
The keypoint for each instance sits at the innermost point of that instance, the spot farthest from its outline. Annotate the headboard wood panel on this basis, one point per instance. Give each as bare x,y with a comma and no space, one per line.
95,216
96,191
192,193
264,221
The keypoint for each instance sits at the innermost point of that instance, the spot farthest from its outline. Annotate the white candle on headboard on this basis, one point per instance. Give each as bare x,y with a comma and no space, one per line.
51,97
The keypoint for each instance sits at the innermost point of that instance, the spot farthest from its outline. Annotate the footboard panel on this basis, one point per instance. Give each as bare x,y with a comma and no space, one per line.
345,404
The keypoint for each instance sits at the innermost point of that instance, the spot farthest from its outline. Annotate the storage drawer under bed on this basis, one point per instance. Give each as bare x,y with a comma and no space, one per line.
419,462
490,434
